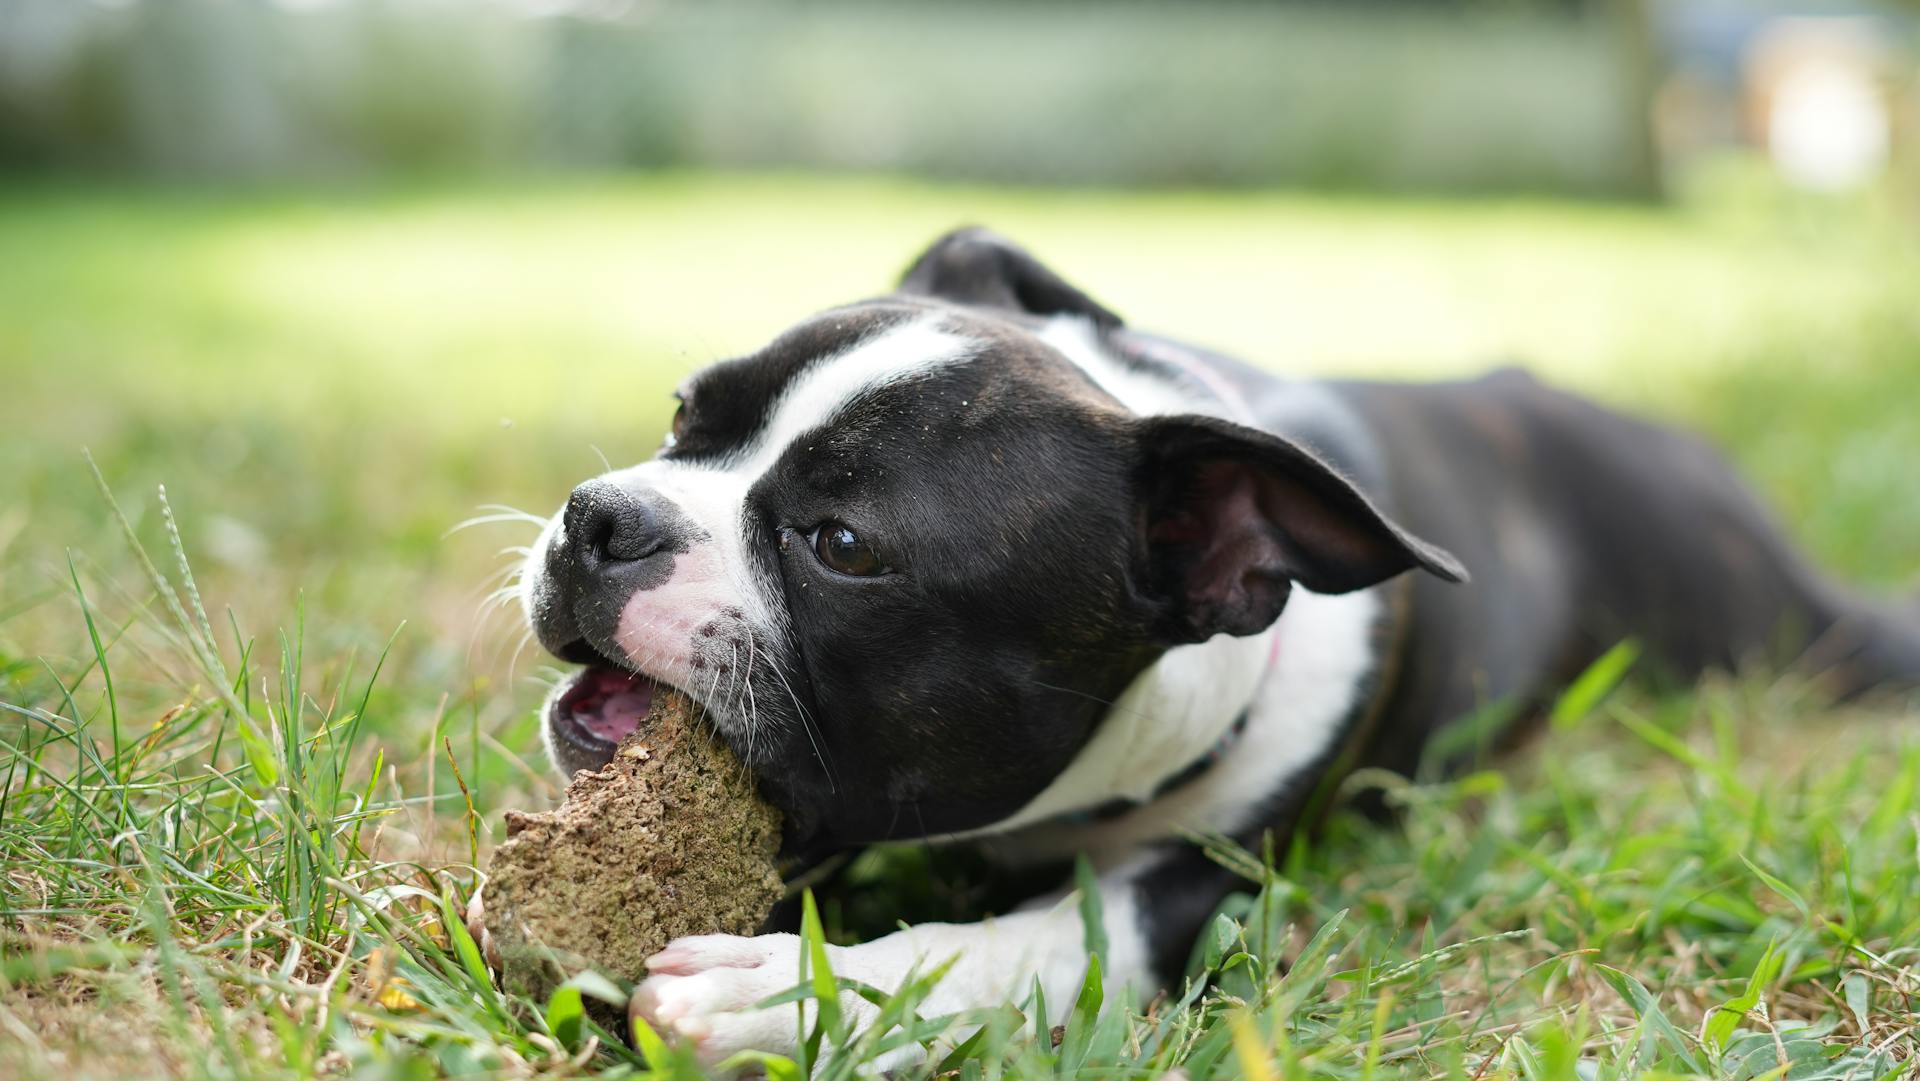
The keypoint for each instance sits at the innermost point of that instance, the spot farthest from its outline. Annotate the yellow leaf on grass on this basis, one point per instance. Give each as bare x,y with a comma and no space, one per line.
1251,1050
388,990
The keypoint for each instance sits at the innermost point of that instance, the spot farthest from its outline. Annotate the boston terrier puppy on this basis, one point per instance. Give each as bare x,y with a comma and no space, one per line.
974,560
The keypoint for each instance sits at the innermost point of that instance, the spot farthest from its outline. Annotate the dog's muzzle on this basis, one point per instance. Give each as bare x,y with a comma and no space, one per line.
611,544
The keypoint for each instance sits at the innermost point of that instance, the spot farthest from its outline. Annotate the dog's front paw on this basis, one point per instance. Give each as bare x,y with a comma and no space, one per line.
704,989
476,921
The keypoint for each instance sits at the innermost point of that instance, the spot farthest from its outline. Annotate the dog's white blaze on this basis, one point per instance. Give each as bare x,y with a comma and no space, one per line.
827,386
715,494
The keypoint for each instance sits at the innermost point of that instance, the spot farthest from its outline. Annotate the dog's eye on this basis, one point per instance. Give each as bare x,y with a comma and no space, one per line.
678,430
842,550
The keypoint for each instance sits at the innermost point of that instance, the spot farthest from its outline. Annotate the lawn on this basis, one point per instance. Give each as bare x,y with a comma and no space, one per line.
228,844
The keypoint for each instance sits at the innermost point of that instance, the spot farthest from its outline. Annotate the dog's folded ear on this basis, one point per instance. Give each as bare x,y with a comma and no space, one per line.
978,267
1230,517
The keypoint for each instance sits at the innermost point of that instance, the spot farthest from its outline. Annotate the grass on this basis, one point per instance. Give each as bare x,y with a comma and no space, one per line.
245,790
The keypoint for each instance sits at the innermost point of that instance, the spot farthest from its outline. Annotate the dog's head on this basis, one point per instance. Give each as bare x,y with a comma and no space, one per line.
906,554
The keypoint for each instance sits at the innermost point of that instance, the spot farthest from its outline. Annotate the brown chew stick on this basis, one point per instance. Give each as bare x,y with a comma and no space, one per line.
670,839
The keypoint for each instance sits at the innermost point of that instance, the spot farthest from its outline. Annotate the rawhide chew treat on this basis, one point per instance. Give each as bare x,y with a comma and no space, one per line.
670,839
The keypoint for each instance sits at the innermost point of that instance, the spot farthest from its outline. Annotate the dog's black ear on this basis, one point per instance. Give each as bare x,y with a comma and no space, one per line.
1230,517
975,266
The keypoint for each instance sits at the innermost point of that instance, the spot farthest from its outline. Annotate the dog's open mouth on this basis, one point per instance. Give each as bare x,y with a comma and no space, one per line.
600,705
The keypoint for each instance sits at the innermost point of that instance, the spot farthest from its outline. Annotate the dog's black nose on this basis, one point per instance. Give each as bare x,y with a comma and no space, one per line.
605,524
613,542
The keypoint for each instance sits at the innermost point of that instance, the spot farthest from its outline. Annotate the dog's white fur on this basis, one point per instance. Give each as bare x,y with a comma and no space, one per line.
1295,692
704,988
1319,658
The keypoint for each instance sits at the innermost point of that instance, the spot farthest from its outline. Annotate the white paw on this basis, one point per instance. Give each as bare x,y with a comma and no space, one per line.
703,990
477,928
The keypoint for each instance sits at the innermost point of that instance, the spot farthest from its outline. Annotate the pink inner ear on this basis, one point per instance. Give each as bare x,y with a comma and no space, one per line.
1182,527
1237,518
1228,523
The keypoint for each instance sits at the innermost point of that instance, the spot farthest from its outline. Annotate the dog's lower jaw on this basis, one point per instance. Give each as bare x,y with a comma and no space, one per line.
704,989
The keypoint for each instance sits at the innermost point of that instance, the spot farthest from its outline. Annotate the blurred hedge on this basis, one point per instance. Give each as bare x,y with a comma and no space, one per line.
1374,96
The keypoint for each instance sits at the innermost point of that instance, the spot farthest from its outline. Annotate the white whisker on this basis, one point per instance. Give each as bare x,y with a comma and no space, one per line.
807,726
733,682
713,691
500,575
513,662
753,702
490,519
503,508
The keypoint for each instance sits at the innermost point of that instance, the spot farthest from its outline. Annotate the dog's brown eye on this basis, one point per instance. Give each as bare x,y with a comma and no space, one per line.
678,430
842,550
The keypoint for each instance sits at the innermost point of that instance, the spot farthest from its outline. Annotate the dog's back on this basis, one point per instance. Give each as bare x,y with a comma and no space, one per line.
1583,528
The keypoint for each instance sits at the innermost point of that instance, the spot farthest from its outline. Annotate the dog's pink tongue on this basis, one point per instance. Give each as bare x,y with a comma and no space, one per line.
626,703
621,714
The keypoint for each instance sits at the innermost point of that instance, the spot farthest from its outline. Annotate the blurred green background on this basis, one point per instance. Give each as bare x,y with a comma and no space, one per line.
339,272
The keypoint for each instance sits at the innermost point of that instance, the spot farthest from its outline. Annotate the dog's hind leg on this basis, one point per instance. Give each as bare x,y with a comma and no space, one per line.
1868,646
1584,527
1701,571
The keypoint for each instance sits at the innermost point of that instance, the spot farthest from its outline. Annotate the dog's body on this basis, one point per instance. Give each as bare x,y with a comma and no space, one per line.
976,561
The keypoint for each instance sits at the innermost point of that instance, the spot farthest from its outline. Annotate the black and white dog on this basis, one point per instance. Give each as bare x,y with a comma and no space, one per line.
974,560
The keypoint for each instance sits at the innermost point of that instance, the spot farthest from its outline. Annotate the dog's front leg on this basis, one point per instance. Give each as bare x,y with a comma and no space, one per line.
703,989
